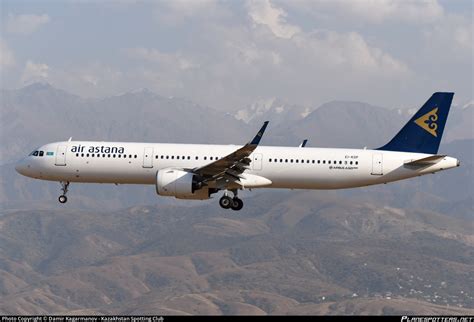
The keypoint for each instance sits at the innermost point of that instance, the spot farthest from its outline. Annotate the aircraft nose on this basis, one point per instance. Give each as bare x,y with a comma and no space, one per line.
21,167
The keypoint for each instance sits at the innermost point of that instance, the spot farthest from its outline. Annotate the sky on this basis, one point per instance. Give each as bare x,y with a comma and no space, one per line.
229,54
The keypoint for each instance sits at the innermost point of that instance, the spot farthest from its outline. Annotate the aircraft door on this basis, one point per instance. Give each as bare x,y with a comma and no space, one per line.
257,161
61,155
377,164
148,158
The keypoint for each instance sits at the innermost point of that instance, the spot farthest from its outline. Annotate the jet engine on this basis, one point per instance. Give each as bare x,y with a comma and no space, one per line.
180,184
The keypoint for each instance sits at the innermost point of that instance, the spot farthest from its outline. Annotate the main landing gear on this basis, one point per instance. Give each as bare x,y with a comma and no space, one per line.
227,202
64,186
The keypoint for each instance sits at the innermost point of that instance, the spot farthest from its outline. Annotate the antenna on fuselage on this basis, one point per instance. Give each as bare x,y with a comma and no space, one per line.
70,139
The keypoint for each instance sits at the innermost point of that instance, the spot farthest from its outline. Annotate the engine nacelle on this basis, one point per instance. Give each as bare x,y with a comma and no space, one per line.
179,184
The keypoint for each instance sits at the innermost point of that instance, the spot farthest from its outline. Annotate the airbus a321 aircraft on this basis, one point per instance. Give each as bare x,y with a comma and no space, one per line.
197,171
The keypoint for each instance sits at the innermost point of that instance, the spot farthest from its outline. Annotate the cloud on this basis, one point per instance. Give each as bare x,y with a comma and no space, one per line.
25,24
373,11
177,12
454,31
264,13
7,58
349,52
34,72
175,60
229,54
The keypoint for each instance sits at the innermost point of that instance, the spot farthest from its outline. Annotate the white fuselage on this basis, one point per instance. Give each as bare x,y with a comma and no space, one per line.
285,167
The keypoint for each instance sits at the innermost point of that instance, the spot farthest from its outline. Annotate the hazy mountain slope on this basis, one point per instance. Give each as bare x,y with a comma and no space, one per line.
273,110
343,124
308,252
40,113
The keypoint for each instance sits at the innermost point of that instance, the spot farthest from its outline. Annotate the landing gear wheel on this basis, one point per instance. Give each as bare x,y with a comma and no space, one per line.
225,202
237,204
64,187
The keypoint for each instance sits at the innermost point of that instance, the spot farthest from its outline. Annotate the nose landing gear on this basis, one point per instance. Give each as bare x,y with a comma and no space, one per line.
64,188
227,202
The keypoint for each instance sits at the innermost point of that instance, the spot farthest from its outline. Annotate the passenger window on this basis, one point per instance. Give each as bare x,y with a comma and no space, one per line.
291,160
340,162
124,156
329,162
197,158
119,155
351,162
313,161
108,155
297,161
189,158
82,155
205,158
172,157
286,160
357,162
77,154
269,160
324,161
135,156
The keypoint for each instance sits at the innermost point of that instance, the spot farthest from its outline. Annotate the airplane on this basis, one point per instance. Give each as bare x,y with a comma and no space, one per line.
197,171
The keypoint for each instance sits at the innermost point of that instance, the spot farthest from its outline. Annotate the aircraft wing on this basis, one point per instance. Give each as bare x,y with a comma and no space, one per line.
233,165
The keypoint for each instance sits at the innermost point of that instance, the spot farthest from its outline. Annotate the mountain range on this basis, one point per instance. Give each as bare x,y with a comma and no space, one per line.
285,253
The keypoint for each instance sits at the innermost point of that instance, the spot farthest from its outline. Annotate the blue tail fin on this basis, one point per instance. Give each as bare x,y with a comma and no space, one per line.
424,130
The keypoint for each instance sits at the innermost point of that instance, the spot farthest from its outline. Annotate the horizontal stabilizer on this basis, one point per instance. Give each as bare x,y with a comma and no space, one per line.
425,161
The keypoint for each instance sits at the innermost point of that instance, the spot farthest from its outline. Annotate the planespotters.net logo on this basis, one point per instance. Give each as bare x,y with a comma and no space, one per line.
437,319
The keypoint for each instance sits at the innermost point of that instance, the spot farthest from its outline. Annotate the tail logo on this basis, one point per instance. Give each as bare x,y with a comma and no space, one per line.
428,122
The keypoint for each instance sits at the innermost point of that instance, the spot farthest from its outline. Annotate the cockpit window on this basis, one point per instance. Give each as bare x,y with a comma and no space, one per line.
35,153
41,153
